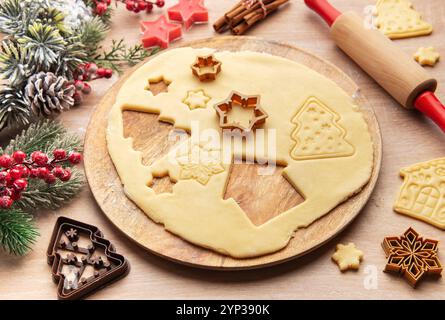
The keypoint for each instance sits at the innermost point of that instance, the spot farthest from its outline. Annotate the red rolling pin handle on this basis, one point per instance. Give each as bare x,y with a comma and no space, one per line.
430,105
324,9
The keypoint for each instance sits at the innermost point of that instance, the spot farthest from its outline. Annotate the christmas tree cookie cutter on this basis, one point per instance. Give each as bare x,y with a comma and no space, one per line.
412,256
237,99
206,68
69,257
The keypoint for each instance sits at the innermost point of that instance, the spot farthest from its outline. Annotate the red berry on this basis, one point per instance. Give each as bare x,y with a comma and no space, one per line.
6,202
75,157
142,5
50,179
92,68
15,173
100,72
58,172
86,88
20,184
5,161
101,8
66,176
129,5
39,158
160,3
77,98
79,84
108,73
4,176
43,172
15,195
19,156
108,2
34,173
25,172
149,7
59,154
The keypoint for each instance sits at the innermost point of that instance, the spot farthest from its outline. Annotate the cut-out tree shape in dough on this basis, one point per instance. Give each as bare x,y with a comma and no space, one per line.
318,134
398,19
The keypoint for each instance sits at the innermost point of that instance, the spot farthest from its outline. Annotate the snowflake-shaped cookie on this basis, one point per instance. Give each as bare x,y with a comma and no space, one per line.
199,163
427,56
196,99
347,257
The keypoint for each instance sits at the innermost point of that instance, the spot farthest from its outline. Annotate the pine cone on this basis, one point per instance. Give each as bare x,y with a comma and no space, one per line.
47,93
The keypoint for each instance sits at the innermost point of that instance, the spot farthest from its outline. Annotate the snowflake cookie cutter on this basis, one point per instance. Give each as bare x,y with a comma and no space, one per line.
412,256
206,68
68,238
224,107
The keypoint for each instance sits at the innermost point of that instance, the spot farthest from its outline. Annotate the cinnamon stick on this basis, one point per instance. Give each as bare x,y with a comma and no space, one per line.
240,18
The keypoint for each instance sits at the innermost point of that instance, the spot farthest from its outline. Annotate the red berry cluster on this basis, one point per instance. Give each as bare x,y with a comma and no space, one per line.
88,72
17,169
142,5
101,6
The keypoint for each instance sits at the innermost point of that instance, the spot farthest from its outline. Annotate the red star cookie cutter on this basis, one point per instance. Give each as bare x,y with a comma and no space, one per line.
189,12
237,99
206,68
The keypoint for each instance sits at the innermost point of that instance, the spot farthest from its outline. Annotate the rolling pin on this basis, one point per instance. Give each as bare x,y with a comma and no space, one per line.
404,79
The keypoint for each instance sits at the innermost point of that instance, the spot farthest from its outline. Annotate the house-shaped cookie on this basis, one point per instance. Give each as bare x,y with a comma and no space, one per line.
422,195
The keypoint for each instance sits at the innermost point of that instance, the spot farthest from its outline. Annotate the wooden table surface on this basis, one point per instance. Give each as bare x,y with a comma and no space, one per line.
408,138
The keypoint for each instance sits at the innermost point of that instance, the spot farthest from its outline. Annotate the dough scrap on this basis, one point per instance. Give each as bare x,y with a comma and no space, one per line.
196,210
422,193
398,19
427,56
347,257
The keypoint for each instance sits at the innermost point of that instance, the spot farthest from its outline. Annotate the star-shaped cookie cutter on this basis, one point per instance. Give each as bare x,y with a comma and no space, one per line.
244,101
206,68
412,256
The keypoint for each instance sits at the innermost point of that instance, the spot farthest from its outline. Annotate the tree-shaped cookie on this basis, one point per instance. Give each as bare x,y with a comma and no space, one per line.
318,134
398,19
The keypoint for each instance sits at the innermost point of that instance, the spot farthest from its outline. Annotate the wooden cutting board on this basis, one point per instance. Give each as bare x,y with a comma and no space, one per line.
257,195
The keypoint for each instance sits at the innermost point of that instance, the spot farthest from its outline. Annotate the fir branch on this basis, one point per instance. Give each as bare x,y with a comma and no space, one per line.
46,136
44,43
14,110
120,54
70,58
91,33
14,63
17,232
39,194
12,17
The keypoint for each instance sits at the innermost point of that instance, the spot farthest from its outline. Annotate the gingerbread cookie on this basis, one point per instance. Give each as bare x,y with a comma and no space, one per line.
427,56
421,194
347,257
398,19
196,209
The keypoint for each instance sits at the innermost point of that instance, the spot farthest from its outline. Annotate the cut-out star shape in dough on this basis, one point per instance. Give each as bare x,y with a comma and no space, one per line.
196,99
427,56
159,32
347,257
189,12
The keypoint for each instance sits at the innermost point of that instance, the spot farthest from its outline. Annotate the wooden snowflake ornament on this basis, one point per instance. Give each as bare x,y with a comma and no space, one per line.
347,257
412,256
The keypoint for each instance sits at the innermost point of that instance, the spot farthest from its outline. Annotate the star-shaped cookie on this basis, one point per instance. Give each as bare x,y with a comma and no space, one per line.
159,32
196,99
427,56
347,257
189,12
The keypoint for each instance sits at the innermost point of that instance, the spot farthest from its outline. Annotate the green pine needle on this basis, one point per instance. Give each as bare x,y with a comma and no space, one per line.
14,63
39,194
17,232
